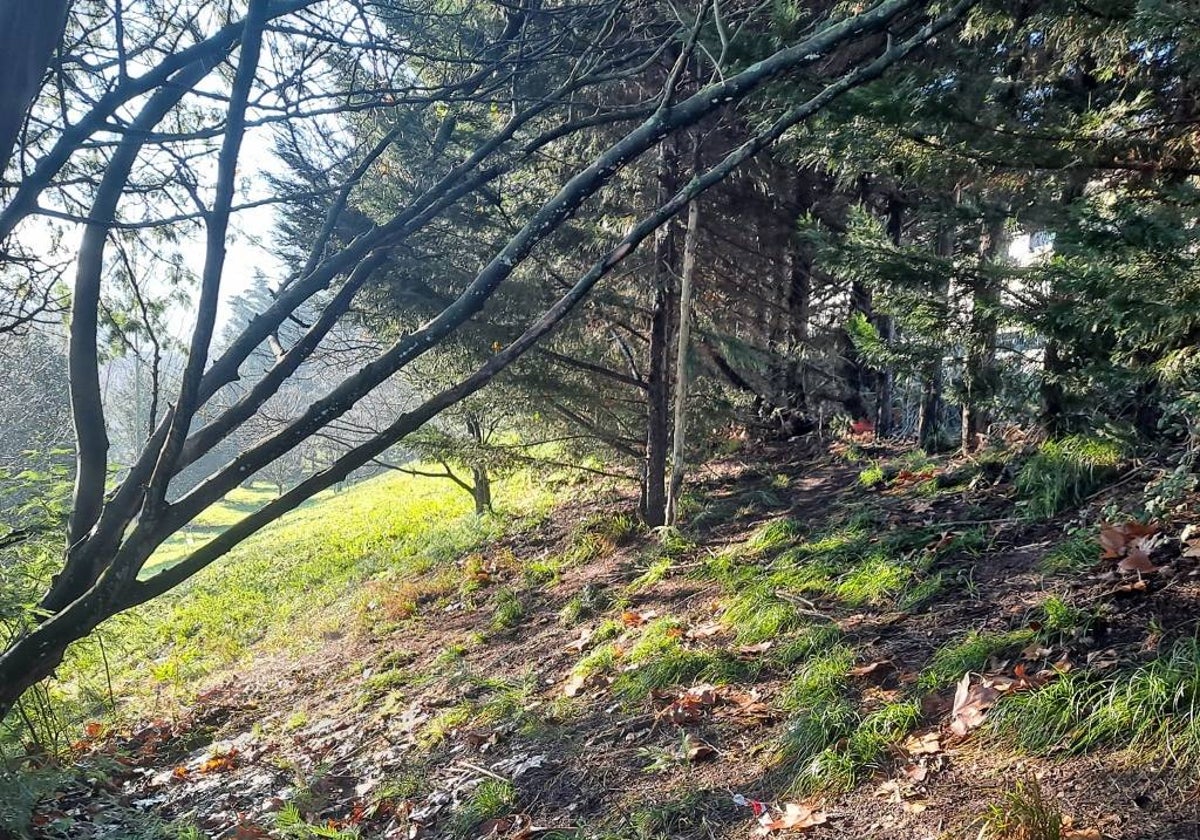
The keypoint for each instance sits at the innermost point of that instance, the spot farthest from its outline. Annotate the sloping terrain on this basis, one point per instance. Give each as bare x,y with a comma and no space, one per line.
868,643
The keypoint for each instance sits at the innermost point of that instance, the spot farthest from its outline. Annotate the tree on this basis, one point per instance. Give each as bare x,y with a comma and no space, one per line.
589,51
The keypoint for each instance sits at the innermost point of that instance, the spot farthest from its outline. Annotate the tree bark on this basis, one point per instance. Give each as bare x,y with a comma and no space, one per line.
886,325
979,372
929,418
30,30
658,386
681,378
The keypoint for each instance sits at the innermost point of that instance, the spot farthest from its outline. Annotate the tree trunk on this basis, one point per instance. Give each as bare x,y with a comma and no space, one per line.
658,388
30,30
1050,389
681,380
886,325
929,418
979,371
481,490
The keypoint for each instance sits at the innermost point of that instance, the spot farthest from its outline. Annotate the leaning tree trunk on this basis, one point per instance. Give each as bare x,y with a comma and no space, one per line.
29,32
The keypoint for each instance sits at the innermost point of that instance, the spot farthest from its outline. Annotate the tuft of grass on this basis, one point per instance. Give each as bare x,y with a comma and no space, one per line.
439,727
670,818
820,679
1078,553
805,644
1064,472
847,761
509,610
1024,812
873,581
921,593
872,477
659,660
1060,619
591,600
757,615
1152,711
775,536
970,653
493,798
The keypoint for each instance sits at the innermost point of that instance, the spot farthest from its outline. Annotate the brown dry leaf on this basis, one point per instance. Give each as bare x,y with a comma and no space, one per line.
916,772
1192,548
1139,529
1082,834
914,806
1112,540
971,704
1035,651
747,709
219,763
180,773
697,750
577,646
752,651
632,618
928,744
574,685
871,667
1137,560
705,631
795,817
690,705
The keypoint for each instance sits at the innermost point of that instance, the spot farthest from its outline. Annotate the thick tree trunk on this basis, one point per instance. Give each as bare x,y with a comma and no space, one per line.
30,30
658,390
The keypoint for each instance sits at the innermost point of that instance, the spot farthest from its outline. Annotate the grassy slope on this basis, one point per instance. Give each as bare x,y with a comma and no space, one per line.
291,585
851,613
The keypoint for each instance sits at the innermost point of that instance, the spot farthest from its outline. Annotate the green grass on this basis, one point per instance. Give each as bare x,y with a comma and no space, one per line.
660,660
872,477
873,581
1076,554
323,569
1152,711
509,610
493,798
1064,472
775,536
970,653
1024,812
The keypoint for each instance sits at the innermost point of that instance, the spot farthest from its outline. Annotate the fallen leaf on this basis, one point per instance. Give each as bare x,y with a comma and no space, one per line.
916,772
697,750
928,744
704,631
794,817
971,704
752,651
884,665
574,685
219,763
